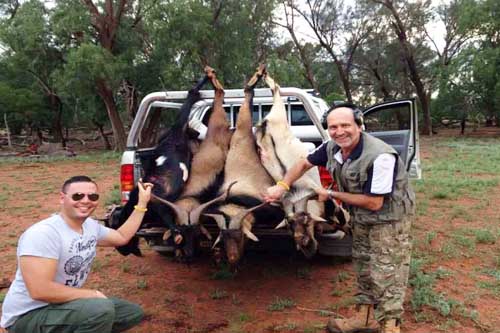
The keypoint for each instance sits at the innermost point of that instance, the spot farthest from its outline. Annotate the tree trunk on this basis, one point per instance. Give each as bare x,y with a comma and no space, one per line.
7,129
116,123
344,77
100,127
57,132
423,96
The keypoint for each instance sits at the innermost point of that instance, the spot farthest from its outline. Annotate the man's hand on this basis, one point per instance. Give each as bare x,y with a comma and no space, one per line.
144,193
99,294
323,194
274,193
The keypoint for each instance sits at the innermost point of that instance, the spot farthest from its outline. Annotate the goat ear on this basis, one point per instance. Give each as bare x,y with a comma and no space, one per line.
167,234
317,218
249,234
282,224
219,219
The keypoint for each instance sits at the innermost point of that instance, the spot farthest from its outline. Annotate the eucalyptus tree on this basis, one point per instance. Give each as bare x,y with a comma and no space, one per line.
339,30
482,19
30,48
231,36
306,52
102,43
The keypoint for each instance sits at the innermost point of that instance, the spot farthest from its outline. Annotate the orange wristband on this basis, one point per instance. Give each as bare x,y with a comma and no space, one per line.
283,184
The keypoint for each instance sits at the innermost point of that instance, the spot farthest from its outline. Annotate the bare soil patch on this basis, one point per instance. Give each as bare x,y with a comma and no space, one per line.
187,298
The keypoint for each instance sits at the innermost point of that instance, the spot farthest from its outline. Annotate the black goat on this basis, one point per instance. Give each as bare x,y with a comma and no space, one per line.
168,172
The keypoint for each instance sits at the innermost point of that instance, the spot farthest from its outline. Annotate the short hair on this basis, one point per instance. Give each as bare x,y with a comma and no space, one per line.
76,179
357,113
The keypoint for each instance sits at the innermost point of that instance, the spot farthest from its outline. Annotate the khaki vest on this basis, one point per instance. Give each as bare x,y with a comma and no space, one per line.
353,174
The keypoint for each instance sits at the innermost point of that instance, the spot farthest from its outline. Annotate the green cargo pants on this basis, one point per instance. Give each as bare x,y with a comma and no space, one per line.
91,315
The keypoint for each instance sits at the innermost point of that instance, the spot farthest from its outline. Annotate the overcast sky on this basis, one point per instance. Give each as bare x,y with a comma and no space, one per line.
436,29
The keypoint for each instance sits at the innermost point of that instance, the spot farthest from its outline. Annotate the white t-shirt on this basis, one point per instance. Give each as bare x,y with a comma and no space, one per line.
383,172
53,238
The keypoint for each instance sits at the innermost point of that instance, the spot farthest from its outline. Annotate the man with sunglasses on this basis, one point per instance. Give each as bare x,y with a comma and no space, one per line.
54,260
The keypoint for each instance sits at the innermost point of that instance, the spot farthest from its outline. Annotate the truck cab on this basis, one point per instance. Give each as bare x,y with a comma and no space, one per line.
394,122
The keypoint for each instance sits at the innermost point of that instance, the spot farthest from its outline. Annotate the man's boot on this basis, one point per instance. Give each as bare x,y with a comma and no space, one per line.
390,326
361,322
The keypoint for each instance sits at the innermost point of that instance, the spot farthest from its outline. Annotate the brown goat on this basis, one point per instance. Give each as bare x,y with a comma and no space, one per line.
243,165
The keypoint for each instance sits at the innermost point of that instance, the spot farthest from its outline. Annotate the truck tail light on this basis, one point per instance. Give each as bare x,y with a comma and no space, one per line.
126,181
324,176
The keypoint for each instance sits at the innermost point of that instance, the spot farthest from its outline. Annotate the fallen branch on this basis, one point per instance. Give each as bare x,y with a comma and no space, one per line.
337,315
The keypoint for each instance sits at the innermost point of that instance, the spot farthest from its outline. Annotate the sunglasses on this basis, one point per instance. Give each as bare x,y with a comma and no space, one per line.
79,196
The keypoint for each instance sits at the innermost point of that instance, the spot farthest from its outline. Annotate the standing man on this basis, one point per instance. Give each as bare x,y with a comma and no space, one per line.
54,259
374,185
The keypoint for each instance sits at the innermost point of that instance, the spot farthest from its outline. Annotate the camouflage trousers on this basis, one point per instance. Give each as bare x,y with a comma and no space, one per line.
381,255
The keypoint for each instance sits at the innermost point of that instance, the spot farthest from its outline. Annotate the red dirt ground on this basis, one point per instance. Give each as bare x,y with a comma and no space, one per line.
185,298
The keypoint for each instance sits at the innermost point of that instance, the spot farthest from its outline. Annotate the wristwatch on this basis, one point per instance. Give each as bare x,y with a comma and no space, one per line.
330,194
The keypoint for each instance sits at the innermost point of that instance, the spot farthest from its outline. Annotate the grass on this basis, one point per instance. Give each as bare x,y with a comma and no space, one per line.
279,304
88,157
218,294
223,273
125,267
142,284
455,172
304,273
114,196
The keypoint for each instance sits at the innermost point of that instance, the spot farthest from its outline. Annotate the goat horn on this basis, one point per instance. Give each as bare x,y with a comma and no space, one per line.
181,213
282,224
249,234
317,218
239,217
219,219
217,240
301,204
195,213
205,232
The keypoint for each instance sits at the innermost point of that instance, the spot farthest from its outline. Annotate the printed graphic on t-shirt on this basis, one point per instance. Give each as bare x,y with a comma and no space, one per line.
77,267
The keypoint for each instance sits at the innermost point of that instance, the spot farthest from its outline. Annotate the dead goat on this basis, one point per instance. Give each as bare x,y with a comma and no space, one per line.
168,172
188,218
206,174
280,150
243,165
305,225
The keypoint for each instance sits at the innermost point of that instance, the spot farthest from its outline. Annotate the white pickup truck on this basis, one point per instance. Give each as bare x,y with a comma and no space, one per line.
394,122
